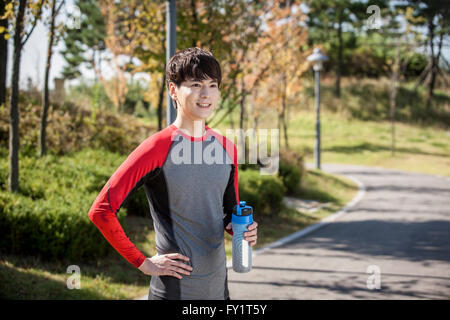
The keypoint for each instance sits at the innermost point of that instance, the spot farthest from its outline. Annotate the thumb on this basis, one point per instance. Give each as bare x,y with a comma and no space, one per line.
229,226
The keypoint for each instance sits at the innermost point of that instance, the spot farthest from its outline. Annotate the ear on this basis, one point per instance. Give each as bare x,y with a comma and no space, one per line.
172,91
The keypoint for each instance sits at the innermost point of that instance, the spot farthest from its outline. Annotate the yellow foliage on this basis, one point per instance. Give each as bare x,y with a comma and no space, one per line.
280,50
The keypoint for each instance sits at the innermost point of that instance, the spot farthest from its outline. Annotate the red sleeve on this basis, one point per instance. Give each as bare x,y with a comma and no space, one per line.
131,174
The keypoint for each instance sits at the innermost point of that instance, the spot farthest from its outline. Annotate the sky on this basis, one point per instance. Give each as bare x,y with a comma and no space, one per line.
34,56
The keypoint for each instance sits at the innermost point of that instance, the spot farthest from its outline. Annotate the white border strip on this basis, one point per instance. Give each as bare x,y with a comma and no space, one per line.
311,228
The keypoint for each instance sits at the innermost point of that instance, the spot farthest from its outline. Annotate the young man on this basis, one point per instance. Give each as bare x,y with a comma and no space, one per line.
189,173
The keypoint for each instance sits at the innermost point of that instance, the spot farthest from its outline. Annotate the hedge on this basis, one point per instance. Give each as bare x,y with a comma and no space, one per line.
51,229
48,217
263,192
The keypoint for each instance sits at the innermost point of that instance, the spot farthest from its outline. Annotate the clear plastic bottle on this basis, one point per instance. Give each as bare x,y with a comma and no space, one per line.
242,252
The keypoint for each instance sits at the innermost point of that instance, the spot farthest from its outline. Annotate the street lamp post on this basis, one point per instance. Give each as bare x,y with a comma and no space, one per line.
171,45
317,57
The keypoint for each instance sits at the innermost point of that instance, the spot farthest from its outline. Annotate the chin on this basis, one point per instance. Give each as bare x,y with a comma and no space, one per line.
203,114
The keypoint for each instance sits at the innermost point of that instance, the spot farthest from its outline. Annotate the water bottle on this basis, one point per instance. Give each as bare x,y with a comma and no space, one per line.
242,252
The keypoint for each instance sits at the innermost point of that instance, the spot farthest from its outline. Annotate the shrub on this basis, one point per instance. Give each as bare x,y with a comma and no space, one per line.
73,128
263,192
51,229
291,170
49,217
137,203
290,176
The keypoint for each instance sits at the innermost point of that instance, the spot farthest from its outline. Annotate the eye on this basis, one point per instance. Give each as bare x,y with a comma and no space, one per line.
195,84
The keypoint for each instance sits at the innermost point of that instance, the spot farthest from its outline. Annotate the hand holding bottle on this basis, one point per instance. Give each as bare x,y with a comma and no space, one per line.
251,235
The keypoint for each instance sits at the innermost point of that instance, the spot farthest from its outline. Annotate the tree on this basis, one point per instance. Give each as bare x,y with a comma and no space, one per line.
4,36
24,24
436,18
335,23
226,28
399,41
283,81
237,25
326,20
45,96
119,41
107,34
86,45
149,47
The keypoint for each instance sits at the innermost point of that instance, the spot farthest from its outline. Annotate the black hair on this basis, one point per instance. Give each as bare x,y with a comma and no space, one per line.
192,63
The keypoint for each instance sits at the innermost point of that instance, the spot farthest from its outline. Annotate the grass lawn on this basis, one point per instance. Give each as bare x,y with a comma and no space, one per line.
114,278
424,150
350,141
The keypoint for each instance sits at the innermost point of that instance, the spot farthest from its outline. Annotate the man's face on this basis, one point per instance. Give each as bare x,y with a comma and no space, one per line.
196,99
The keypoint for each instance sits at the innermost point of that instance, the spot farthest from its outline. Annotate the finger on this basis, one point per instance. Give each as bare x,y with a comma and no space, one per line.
252,243
172,273
253,226
251,233
229,226
180,265
249,239
179,270
177,256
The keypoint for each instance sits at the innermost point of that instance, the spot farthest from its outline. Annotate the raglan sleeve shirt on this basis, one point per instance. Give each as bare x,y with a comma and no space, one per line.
143,163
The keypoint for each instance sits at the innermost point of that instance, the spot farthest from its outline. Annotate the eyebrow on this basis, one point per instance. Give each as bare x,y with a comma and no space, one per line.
198,80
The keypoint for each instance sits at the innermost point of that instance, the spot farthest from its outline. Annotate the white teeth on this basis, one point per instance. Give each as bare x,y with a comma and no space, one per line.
203,105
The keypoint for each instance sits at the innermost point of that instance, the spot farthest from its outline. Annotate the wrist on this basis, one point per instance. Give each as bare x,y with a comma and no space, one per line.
141,265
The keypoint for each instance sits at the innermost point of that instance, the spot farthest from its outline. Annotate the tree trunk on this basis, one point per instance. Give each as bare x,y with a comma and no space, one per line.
230,116
283,123
242,105
280,122
3,58
441,39
283,112
194,22
393,95
45,98
13,179
432,62
160,101
255,113
422,76
436,60
339,62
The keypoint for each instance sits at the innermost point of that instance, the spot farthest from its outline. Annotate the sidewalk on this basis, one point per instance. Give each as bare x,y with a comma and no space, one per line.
396,236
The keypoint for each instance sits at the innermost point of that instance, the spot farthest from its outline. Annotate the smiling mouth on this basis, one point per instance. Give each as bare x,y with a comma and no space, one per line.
204,105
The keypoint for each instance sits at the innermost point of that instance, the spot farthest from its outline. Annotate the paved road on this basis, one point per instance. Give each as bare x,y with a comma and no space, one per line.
401,226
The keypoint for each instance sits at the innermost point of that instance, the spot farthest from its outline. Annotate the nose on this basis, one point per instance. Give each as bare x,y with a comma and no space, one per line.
204,92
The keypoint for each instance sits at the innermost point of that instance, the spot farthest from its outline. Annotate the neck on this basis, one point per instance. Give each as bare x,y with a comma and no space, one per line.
195,128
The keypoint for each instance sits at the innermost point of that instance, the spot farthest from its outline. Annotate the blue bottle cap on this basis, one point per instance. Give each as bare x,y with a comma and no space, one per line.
242,213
